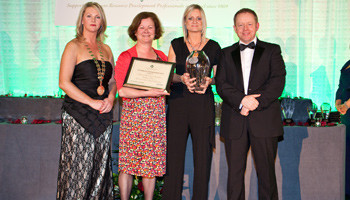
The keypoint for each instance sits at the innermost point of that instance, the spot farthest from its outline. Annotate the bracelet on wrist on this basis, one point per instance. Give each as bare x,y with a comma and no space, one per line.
347,107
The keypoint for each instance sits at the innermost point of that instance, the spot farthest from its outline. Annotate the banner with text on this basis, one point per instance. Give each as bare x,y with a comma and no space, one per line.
121,12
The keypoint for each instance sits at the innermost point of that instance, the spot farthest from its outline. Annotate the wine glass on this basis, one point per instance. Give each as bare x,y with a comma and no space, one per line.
312,110
325,111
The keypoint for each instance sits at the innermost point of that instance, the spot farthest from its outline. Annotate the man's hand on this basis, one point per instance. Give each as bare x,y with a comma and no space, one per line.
250,102
244,111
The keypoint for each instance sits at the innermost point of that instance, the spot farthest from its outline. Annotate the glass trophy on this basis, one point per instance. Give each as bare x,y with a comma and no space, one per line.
288,106
312,110
325,111
197,65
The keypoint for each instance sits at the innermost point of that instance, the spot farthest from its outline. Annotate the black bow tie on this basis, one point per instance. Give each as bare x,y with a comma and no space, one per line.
250,45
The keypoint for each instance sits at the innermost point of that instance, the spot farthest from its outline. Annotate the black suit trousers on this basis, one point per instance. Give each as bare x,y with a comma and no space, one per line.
182,122
264,151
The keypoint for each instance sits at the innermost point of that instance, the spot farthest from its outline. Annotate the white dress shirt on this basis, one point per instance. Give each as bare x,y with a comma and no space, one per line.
246,61
246,64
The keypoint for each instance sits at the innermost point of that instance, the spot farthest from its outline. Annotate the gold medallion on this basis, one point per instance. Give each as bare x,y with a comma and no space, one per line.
100,90
100,70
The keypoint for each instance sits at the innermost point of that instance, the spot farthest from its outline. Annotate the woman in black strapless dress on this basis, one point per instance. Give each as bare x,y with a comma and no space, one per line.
86,76
190,111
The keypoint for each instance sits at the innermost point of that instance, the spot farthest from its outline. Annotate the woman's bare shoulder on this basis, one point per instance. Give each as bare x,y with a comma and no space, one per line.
73,44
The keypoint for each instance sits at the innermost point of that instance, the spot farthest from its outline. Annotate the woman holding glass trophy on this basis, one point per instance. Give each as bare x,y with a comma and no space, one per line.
191,105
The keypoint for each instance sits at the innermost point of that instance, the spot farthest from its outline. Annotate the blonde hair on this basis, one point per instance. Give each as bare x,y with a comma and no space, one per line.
188,10
101,31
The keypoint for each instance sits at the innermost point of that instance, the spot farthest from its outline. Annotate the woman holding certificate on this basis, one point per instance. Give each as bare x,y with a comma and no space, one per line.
190,110
142,144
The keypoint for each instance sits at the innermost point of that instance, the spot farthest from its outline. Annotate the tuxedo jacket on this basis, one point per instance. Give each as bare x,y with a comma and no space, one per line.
267,77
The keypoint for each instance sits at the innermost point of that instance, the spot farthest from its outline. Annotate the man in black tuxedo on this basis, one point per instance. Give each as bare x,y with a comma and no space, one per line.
250,78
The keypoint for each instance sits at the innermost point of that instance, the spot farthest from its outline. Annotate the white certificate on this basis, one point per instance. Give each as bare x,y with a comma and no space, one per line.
147,74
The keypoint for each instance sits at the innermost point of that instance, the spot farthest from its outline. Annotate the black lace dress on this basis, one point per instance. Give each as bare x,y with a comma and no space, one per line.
85,170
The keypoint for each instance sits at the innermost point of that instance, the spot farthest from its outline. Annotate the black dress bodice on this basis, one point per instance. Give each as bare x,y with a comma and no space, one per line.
85,78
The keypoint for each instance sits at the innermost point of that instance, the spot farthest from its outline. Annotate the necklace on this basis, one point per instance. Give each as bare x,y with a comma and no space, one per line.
193,49
100,70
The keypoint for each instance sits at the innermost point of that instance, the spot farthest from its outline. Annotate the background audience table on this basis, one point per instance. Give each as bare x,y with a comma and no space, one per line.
310,163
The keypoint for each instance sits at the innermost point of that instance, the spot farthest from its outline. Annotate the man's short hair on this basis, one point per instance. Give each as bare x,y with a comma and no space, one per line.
245,10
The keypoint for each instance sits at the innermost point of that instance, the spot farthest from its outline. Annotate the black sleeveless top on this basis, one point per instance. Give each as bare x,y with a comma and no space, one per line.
212,50
85,78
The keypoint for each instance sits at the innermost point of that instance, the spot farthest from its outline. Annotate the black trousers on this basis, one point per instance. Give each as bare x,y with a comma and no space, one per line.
264,150
182,122
346,120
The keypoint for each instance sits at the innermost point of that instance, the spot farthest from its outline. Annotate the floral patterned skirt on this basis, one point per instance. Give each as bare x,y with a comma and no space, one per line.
142,140
85,170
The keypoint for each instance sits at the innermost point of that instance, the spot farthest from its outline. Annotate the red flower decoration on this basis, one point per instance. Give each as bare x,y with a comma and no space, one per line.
40,121
291,124
140,186
17,121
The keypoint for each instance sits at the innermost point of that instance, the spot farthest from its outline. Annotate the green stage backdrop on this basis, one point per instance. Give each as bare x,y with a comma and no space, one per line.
313,34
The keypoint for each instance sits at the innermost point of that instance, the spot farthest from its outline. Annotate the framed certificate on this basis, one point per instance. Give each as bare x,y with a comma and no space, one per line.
147,74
